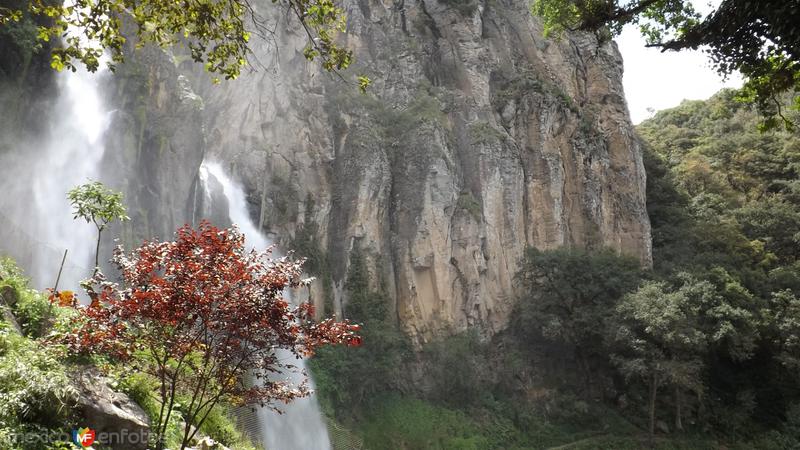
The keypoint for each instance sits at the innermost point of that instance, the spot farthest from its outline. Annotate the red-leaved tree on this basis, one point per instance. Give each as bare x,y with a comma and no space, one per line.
202,314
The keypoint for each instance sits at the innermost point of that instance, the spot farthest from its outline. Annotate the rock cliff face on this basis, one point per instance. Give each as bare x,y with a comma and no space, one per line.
155,143
479,137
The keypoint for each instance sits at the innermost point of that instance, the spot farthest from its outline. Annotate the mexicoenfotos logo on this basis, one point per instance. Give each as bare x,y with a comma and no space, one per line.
83,437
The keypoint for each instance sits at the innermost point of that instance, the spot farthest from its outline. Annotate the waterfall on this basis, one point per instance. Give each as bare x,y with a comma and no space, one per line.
301,425
36,223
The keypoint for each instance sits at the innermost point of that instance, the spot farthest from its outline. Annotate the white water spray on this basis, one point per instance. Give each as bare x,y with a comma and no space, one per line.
37,217
300,426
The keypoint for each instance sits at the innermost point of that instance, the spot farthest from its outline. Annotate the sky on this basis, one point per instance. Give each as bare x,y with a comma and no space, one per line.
662,80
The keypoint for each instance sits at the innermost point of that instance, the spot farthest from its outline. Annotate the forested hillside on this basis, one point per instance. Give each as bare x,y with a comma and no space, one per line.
721,193
724,201
700,351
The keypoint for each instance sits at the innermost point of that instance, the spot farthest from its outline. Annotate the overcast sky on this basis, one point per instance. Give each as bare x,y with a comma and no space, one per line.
662,80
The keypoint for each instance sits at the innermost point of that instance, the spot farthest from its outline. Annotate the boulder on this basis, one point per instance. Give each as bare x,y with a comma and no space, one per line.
112,415
9,318
8,296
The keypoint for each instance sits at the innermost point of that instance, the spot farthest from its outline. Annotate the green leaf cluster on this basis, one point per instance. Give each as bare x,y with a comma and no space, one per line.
216,33
97,204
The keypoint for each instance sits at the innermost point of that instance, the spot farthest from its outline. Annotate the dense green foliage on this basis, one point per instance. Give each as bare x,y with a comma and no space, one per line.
759,39
722,194
36,395
215,33
723,204
568,299
352,376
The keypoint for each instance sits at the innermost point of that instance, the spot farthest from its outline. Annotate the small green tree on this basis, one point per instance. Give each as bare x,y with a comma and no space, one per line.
97,204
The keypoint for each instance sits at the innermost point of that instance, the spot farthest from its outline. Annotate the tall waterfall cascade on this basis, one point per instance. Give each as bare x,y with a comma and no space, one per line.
36,219
300,425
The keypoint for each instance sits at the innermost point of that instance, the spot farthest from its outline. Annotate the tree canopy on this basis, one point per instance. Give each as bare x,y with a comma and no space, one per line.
760,39
217,33
568,298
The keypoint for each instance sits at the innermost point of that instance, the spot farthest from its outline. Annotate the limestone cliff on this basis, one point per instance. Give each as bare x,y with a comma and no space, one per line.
478,138
156,144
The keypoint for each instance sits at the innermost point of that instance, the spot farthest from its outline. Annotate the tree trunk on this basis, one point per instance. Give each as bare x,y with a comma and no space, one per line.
586,372
653,393
97,253
678,400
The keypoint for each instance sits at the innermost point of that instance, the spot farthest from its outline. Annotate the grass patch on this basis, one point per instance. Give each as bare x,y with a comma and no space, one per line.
394,421
397,422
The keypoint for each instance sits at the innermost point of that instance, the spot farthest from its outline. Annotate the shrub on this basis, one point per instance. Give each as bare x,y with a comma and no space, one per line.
37,393
465,355
31,306
220,426
141,388
467,202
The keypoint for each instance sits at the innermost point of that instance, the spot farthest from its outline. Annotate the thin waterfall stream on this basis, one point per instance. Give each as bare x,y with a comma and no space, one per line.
300,426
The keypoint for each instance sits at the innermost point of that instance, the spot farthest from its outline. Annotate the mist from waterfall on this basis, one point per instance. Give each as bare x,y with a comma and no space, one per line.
36,218
300,426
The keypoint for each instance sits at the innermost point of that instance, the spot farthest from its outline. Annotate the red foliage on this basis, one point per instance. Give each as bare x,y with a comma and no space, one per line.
205,305
62,298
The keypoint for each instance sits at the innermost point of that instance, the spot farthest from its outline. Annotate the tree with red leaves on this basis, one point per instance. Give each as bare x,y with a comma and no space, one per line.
201,314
